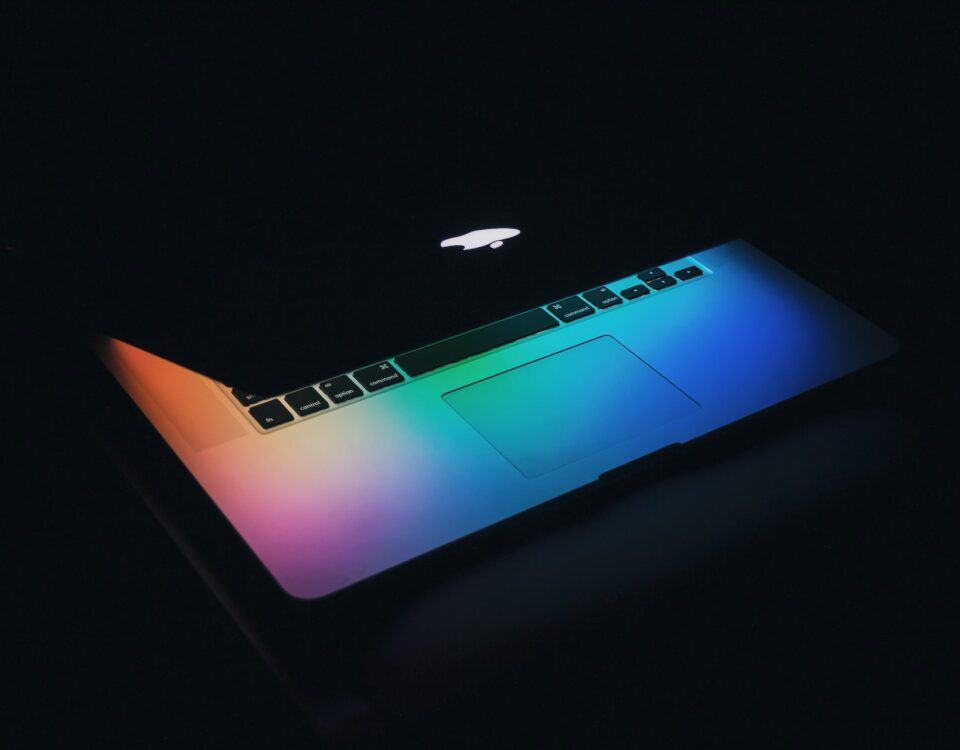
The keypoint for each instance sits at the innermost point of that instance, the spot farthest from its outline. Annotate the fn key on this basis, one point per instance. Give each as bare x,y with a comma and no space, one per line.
271,414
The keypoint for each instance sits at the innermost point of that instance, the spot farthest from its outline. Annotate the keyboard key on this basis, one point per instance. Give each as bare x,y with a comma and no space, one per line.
475,342
271,414
635,291
663,283
650,274
602,298
305,401
570,308
340,389
691,272
244,397
375,377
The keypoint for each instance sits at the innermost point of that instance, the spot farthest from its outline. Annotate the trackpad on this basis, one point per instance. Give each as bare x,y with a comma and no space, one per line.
561,408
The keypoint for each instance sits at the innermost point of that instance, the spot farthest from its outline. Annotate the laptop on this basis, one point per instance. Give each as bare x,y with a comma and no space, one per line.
384,286
415,385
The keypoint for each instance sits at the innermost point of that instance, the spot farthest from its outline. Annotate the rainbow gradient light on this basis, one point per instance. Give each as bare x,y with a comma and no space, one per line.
358,488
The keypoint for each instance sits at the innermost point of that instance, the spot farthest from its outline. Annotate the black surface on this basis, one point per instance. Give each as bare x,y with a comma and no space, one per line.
475,342
822,133
260,193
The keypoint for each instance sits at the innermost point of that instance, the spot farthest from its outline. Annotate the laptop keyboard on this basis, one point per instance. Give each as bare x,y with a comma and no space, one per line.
270,412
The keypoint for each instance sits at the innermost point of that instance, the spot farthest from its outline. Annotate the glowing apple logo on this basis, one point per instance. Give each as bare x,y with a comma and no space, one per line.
481,238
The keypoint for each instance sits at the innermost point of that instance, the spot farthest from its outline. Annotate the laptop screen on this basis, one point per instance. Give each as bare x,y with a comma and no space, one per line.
274,220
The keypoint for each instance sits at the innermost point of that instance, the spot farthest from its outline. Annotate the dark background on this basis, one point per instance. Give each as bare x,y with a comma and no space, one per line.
139,141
